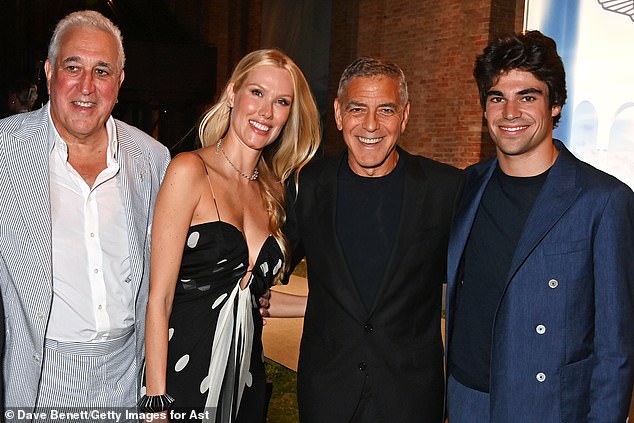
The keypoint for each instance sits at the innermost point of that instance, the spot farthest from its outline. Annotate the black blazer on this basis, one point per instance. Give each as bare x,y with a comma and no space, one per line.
397,343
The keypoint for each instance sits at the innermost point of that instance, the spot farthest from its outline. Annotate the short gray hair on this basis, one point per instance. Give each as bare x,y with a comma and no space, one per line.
373,67
85,18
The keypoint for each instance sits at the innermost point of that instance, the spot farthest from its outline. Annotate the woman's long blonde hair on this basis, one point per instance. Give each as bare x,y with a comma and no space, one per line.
295,146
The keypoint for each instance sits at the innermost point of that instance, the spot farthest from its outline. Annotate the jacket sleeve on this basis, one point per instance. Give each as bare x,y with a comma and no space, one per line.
291,229
613,256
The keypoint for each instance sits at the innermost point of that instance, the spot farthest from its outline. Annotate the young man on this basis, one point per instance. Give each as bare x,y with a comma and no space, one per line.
540,301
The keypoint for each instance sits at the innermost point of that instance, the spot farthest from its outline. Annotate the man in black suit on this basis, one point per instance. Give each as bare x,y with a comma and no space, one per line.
373,225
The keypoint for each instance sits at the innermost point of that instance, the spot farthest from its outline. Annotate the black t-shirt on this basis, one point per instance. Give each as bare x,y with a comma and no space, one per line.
368,214
505,206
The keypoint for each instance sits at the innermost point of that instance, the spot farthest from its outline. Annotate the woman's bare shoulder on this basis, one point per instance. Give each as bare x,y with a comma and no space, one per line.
188,164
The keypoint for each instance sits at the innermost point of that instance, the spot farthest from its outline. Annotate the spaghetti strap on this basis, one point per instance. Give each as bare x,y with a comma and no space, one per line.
213,194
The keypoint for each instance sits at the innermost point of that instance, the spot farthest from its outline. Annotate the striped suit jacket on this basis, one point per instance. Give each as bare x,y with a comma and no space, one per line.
25,238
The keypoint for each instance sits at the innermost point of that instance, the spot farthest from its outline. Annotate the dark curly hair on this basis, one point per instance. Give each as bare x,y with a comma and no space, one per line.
532,52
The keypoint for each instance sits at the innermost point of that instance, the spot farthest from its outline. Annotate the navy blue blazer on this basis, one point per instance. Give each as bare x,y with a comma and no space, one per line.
563,334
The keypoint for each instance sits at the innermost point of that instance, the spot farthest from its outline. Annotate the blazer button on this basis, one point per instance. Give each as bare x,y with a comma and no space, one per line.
368,328
540,329
541,377
362,366
553,283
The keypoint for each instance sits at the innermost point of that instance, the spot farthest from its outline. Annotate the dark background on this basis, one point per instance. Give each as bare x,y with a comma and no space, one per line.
155,95
181,52
171,71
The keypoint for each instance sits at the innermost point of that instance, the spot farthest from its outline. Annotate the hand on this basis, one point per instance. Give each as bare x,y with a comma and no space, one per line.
264,305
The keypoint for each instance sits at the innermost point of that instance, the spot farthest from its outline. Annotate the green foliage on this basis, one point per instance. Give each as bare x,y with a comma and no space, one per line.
283,403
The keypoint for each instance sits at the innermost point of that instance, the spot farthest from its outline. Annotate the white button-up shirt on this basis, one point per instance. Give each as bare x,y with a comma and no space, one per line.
92,295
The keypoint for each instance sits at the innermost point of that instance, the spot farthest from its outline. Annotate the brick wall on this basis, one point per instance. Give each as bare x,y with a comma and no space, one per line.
435,43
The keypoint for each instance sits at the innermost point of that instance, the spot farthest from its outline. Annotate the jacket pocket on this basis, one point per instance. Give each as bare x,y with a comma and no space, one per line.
566,247
575,390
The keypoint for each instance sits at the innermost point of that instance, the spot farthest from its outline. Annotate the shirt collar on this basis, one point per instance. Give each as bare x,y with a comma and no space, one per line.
55,141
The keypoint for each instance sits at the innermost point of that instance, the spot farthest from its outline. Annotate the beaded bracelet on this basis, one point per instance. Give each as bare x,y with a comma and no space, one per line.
155,403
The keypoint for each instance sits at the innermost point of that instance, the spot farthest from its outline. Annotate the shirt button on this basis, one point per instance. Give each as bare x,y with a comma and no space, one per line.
541,377
92,234
39,315
553,283
36,357
540,329
99,306
363,366
95,270
368,328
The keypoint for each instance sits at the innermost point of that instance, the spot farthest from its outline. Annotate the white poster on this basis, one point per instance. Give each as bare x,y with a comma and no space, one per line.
596,41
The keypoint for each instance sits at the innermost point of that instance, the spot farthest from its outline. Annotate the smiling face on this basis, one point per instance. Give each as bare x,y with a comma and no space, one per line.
520,122
261,106
371,118
83,83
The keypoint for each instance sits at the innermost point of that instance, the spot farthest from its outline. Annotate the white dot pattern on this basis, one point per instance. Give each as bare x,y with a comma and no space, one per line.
264,267
204,385
192,240
181,363
219,301
277,267
214,280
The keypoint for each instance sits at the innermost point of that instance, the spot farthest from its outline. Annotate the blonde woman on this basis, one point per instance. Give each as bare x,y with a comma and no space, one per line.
217,243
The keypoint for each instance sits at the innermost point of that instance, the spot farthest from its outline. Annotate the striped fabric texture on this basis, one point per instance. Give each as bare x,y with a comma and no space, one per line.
25,257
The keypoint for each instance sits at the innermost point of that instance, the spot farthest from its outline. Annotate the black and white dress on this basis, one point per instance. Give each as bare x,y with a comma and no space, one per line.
215,361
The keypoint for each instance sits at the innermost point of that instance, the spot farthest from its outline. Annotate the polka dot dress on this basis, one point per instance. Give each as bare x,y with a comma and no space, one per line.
215,360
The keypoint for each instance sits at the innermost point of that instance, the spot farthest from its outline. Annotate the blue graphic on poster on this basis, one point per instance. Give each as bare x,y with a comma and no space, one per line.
594,38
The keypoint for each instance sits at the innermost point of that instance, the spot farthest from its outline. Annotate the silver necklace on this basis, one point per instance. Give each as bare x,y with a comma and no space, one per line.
254,175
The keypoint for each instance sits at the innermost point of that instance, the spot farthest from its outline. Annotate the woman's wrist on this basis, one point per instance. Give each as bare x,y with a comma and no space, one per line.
155,403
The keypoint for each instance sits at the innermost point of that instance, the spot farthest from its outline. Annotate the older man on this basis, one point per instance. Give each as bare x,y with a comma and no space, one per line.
373,225
77,189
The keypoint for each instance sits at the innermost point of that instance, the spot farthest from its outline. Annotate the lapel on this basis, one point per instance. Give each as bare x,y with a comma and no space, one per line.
26,154
478,177
326,202
557,195
136,186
